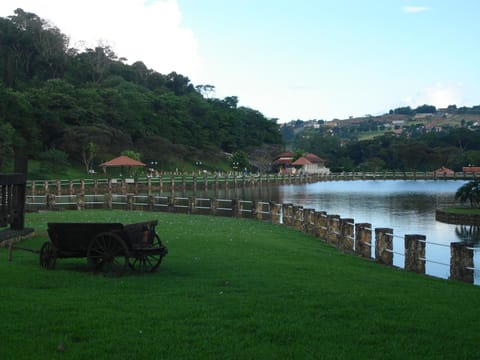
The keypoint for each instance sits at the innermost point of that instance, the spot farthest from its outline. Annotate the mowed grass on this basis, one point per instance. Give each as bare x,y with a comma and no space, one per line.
230,289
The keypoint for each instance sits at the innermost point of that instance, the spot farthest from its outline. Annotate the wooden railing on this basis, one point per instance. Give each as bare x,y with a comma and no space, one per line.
199,183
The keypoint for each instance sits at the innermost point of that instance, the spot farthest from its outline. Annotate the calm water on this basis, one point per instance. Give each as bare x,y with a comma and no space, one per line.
408,207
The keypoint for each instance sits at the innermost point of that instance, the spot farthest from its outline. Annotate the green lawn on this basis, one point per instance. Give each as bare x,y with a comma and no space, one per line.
230,289
467,211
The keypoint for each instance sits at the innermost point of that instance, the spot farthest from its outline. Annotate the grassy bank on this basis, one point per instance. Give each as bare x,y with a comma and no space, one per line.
466,211
230,289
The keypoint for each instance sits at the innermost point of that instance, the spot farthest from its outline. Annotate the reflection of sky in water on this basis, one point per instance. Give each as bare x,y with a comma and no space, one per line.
408,207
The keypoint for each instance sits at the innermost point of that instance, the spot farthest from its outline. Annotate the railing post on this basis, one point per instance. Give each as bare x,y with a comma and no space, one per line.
298,217
309,221
320,224
415,253
108,201
259,210
80,201
346,241
130,201
384,246
50,198
333,229
151,202
363,239
287,214
274,212
461,262
171,203
213,206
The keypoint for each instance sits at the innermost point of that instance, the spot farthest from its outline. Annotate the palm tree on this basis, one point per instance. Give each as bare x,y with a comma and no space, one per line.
469,192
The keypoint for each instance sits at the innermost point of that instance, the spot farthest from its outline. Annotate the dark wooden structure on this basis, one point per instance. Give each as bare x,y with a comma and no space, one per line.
109,247
12,202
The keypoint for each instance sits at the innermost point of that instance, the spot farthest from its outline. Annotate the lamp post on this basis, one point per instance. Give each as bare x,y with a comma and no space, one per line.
153,168
198,164
235,166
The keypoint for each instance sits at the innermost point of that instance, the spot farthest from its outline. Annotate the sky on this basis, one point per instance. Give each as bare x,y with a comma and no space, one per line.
291,59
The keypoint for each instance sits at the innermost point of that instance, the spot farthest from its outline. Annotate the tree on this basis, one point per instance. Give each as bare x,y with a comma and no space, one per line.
53,161
88,154
132,154
469,192
239,161
6,144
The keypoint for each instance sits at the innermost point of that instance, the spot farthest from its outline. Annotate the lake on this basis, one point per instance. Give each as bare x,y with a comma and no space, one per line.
406,206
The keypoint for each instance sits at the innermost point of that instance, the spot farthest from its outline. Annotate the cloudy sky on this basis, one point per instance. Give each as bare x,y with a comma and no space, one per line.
292,59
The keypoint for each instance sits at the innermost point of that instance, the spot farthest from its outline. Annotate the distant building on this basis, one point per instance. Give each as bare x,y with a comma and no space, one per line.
307,164
444,171
471,169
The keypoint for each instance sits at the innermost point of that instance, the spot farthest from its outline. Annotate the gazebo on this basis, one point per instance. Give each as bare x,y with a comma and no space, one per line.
122,161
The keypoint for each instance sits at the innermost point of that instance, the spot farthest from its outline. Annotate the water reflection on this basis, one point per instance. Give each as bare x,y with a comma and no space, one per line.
468,233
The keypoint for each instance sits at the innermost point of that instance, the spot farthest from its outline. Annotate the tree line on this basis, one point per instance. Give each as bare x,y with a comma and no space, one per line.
454,148
62,104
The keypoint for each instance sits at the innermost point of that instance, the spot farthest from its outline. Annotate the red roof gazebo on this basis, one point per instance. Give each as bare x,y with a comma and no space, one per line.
120,162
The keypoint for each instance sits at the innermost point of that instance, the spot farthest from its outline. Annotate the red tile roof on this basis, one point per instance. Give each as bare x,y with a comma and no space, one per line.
313,158
122,161
471,169
302,161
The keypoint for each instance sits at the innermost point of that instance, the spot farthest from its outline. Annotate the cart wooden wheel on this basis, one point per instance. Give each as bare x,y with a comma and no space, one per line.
108,254
147,262
48,256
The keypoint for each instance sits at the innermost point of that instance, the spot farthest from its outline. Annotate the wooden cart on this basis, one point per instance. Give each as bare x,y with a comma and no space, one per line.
110,248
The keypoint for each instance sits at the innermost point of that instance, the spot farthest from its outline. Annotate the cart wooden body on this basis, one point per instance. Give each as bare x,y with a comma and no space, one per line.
110,248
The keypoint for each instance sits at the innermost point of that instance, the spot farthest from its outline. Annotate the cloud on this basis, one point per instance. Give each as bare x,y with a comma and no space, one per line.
439,95
149,31
414,9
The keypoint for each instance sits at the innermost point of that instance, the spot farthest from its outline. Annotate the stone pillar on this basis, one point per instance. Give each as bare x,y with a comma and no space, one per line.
172,184
287,211
309,221
108,201
333,229
171,203
130,202
151,202
50,199
192,205
275,212
320,219
184,184
298,217
213,206
384,246
363,239
205,183
347,235
415,253
258,210
82,186
149,186
80,201
461,262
